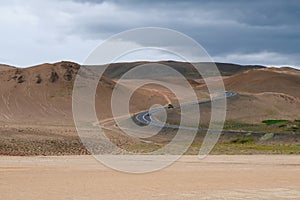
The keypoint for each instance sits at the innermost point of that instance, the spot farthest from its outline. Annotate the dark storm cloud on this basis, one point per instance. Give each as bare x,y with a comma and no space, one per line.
221,26
252,32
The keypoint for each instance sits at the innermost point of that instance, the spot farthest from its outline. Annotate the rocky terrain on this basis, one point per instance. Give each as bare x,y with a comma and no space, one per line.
36,102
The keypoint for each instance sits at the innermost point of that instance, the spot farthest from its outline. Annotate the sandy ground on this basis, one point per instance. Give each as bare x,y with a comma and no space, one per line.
216,177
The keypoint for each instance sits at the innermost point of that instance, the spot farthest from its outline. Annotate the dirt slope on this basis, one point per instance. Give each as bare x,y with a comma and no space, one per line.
265,80
42,94
4,67
266,93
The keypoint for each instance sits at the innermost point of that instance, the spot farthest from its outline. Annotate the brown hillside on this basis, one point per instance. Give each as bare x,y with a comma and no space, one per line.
42,94
265,80
5,67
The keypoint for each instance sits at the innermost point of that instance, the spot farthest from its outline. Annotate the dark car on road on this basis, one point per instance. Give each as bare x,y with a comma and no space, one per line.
170,106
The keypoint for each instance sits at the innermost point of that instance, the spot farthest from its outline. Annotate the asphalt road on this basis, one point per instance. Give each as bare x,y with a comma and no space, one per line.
145,118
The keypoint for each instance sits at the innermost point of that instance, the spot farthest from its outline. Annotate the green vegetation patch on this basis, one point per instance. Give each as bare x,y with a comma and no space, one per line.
282,126
294,128
230,148
243,140
233,125
274,121
251,148
143,147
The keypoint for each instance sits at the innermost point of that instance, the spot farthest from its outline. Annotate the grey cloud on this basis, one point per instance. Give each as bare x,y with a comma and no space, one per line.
219,26
224,28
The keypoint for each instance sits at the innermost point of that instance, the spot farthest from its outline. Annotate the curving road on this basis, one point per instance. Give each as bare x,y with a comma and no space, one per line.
145,118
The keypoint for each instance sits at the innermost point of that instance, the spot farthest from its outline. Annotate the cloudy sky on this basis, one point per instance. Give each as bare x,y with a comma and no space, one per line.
245,32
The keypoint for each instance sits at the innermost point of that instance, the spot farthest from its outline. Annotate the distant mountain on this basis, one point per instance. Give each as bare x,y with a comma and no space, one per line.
116,70
42,93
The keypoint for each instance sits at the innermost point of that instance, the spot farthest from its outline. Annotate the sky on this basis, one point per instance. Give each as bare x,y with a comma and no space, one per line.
244,32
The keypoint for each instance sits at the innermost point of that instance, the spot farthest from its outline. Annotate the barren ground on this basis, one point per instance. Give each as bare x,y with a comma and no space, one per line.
216,177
